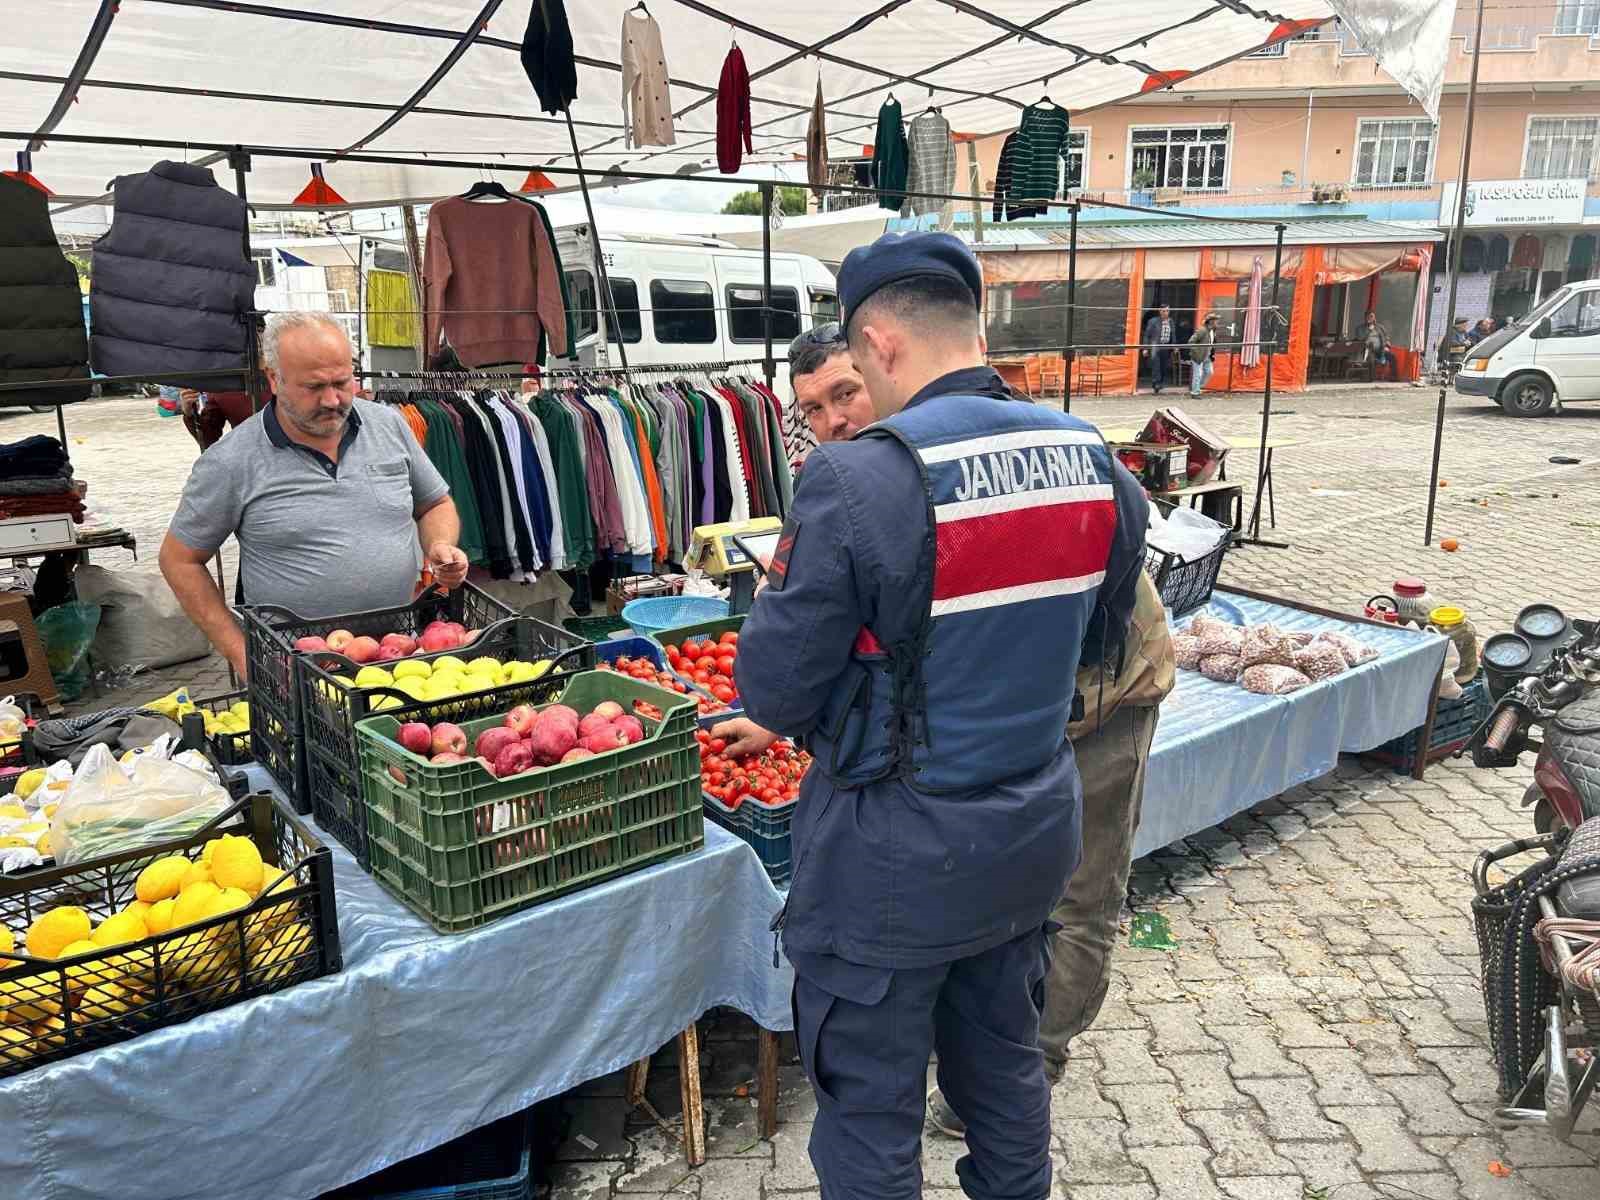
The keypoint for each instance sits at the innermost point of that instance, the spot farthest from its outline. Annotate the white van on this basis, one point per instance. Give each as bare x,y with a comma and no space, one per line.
1551,356
691,300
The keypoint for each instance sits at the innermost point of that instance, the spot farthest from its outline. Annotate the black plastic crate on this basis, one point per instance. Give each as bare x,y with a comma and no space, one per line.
229,749
276,726
1454,723
1185,587
287,935
329,711
491,1163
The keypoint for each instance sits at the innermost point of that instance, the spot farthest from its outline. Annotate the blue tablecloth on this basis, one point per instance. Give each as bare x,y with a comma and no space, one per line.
420,1039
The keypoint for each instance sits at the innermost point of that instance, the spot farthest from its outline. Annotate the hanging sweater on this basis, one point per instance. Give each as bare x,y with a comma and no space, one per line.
931,163
817,141
1005,181
890,158
1040,153
733,113
646,93
492,283
547,56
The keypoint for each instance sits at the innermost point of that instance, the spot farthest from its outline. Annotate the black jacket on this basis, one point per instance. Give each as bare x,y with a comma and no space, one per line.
547,56
172,286
41,308
1152,334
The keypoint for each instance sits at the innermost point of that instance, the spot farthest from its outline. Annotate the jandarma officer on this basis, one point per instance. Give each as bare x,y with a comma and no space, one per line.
936,584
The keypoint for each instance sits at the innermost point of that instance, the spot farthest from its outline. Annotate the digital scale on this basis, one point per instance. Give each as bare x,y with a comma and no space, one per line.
735,551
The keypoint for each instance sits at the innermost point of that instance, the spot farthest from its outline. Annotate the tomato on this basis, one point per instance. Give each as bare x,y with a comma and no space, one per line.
691,651
725,663
718,745
730,638
723,692
770,795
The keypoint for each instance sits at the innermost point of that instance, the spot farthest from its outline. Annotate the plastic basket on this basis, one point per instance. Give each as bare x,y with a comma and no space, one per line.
229,749
329,711
765,828
283,938
654,614
274,689
1454,723
1185,587
1491,914
461,848
492,1163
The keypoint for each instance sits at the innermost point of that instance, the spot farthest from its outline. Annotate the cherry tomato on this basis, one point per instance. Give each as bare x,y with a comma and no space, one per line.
725,663
728,639
691,651
723,692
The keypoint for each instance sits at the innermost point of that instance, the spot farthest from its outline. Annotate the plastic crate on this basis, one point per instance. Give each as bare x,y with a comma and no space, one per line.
652,615
595,629
491,1163
329,711
229,749
281,939
276,728
1454,723
765,828
640,647
1185,587
461,848
699,632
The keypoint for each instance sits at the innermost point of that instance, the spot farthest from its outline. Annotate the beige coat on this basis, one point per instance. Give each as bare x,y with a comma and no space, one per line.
646,95
1149,670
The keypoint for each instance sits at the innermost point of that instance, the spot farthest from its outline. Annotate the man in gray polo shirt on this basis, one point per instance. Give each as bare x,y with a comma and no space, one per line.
331,498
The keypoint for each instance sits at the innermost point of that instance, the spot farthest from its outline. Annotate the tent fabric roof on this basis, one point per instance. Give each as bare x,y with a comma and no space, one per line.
443,78
1175,231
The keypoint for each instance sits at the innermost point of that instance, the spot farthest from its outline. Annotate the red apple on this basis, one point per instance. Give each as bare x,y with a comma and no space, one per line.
446,758
448,738
389,653
491,741
609,738
436,638
561,710
361,650
310,645
550,739
609,709
416,737
576,753
339,639
458,629
406,645
521,719
593,723
631,728
514,759
470,636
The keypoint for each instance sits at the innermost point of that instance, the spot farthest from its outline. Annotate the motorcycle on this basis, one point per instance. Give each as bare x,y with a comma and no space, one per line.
1546,673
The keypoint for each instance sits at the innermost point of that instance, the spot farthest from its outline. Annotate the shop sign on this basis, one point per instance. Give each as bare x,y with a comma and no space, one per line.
1517,202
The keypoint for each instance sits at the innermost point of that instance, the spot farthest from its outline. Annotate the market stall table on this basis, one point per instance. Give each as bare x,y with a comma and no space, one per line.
1220,749
419,1040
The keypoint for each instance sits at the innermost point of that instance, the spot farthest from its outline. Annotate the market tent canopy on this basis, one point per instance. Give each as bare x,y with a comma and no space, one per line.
443,78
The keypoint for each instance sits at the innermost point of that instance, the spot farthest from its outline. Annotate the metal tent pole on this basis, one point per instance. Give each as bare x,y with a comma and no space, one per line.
766,283
1072,309
607,302
1455,270
1263,459
239,160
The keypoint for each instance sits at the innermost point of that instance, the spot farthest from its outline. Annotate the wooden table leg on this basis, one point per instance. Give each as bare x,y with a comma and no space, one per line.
638,1076
694,1115
766,1082
1425,734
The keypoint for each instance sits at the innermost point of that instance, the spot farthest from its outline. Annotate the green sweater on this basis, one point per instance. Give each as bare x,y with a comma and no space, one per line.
1041,145
891,157
572,488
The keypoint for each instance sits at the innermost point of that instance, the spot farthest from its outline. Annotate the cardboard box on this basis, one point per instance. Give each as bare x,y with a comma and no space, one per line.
634,587
1159,467
1207,450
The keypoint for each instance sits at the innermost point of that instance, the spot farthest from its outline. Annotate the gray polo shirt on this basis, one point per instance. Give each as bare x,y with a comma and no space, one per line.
315,537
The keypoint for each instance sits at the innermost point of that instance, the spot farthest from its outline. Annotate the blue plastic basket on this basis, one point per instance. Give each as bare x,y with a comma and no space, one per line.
629,647
652,615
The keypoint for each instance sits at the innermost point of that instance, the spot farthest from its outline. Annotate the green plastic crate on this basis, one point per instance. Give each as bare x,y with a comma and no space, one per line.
595,629
701,629
462,848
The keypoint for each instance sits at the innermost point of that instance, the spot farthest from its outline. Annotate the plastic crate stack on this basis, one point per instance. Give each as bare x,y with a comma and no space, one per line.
1454,723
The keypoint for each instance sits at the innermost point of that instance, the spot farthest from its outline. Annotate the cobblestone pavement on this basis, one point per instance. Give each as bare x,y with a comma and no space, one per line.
1319,1031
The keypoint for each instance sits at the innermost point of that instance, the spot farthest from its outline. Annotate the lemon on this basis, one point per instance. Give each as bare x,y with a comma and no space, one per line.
8,941
240,709
16,1045
12,842
121,929
476,683
32,998
236,863
57,928
194,903
412,668
344,681
208,850
28,782
159,918
87,974
383,702
373,677
43,847
161,879
520,672
199,872
105,1001
13,812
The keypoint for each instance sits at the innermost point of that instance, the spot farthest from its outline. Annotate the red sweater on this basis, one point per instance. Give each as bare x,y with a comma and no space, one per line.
733,113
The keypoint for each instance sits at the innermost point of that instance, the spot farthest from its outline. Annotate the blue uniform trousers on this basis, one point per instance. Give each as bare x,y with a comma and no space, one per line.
867,1059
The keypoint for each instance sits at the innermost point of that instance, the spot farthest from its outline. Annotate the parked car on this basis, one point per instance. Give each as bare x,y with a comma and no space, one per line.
1550,357
689,300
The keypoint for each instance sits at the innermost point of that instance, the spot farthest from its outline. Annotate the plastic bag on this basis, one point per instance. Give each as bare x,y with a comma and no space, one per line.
12,722
1269,679
1266,645
68,631
112,807
1189,534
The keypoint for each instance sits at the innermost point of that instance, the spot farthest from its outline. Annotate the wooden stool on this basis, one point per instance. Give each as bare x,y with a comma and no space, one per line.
35,675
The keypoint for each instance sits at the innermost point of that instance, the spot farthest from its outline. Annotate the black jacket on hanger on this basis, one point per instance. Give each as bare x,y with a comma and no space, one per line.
519,522
41,309
722,491
481,457
547,56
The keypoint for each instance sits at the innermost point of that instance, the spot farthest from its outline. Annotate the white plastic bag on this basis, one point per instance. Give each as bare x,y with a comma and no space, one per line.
1188,534
12,722
112,807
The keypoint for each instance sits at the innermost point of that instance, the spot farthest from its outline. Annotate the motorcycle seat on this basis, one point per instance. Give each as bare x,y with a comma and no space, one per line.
1574,738
1579,897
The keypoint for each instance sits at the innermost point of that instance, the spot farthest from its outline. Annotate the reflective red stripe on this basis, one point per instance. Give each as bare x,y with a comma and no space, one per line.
867,642
1027,546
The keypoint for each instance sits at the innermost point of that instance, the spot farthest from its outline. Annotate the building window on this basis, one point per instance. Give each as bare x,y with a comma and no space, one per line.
1076,156
1578,16
266,273
744,314
685,312
1561,147
1393,153
1192,157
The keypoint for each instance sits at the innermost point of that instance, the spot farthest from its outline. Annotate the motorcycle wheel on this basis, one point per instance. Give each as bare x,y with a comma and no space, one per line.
1545,818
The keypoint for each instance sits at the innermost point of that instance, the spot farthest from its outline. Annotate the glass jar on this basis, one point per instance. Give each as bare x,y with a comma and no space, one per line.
1412,599
1453,623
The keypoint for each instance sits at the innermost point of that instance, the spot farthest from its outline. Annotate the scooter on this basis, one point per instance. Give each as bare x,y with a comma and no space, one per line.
1546,673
